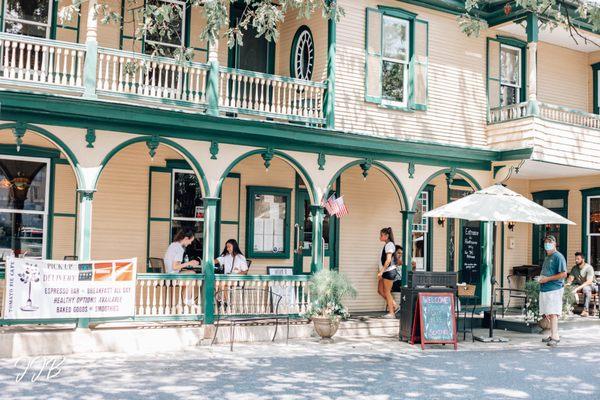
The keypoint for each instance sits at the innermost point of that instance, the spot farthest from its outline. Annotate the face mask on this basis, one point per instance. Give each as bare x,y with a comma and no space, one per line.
548,246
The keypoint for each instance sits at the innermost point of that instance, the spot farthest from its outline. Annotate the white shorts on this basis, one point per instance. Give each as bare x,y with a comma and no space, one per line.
551,302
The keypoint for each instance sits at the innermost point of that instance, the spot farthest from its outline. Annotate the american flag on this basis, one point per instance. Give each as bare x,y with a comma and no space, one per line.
335,206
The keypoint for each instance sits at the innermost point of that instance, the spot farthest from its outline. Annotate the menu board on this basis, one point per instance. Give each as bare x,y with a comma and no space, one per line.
434,319
471,253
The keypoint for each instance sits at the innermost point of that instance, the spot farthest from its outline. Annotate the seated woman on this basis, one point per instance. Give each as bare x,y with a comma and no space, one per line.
232,260
174,254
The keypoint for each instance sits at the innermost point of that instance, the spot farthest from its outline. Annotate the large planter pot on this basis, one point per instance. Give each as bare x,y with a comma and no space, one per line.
325,327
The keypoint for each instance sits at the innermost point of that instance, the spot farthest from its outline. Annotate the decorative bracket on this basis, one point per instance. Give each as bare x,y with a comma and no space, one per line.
90,137
268,157
411,170
19,131
152,144
86,194
214,149
366,166
321,161
450,175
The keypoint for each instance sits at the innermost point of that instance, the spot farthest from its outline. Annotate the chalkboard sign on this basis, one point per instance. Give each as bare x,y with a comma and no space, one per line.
471,253
435,320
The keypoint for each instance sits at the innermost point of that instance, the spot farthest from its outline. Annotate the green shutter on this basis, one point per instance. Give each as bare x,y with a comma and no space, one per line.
493,73
419,62
373,55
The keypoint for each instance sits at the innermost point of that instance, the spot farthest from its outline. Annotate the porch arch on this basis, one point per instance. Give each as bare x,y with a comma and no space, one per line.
56,141
381,167
279,154
167,142
470,179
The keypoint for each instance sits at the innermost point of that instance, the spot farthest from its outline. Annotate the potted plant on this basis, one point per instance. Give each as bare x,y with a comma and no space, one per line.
326,310
532,308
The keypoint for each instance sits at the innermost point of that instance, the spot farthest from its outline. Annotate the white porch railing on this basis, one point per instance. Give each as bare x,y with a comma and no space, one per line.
35,62
546,111
259,295
130,74
274,96
508,113
569,116
168,295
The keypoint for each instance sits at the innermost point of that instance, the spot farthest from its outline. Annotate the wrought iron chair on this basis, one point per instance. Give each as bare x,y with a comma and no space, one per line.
241,305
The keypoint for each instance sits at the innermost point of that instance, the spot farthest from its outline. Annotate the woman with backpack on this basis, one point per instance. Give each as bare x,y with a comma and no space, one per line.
387,271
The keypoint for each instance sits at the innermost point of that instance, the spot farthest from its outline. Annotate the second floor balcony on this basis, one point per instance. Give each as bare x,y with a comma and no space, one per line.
284,81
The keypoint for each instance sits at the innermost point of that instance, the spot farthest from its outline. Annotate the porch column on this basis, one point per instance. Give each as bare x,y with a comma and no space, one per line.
532,39
318,251
91,52
212,85
210,217
408,217
329,101
84,222
487,262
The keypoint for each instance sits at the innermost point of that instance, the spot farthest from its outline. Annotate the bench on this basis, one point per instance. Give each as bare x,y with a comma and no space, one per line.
240,305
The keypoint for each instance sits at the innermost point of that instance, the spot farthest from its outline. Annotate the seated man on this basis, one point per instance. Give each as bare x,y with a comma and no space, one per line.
582,274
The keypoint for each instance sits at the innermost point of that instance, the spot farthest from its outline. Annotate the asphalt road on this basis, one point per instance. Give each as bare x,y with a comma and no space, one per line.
378,369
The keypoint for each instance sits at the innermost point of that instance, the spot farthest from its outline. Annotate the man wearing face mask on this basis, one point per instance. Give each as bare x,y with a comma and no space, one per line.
554,272
582,274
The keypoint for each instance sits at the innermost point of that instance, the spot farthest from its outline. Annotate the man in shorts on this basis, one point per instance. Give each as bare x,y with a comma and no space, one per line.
554,272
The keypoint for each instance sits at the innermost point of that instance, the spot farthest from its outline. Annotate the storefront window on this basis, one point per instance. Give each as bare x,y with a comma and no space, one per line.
27,17
268,220
187,210
23,198
594,232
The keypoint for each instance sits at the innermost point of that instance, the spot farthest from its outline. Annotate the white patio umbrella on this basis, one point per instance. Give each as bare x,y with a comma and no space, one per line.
497,204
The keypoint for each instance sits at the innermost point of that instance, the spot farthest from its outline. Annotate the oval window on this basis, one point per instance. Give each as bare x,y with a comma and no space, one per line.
303,54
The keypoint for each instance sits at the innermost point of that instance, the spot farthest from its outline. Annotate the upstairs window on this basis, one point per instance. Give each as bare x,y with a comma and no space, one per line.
505,71
396,52
28,17
170,35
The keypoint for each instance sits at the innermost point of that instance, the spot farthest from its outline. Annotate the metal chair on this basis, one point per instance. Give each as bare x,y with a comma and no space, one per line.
156,265
241,305
513,293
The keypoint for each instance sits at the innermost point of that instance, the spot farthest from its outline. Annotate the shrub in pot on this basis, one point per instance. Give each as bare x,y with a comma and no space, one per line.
328,289
532,308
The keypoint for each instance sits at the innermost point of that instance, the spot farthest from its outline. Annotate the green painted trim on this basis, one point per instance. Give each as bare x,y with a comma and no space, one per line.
469,178
65,215
564,212
51,214
181,277
263,278
29,151
595,72
383,168
329,108
64,111
299,31
532,27
408,219
195,166
289,159
585,194
397,12
251,191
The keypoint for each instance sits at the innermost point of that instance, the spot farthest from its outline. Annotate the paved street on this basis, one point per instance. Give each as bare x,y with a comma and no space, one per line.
353,369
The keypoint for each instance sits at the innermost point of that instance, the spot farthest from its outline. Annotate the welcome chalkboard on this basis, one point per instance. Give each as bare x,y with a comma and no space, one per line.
471,254
435,319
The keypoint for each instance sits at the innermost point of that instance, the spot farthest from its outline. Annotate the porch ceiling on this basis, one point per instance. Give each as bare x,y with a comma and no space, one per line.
532,169
558,36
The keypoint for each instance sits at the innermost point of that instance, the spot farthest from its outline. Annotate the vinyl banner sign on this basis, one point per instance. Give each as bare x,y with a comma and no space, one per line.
47,289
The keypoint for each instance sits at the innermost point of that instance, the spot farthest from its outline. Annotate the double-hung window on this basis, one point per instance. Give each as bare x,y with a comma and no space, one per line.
510,75
28,17
187,210
396,54
170,36
268,222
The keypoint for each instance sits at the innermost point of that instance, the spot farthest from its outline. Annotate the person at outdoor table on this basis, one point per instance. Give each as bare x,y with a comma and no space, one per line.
554,272
174,255
387,271
582,274
232,259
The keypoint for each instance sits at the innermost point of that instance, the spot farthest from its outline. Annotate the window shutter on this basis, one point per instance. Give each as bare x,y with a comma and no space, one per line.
419,65
493,73
373,56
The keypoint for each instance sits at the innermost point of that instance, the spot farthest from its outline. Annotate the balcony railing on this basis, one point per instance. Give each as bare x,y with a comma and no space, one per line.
41,63
546,111
60,66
